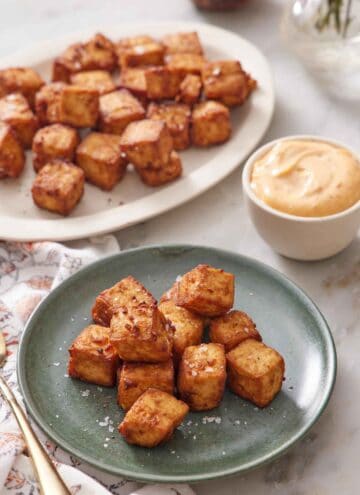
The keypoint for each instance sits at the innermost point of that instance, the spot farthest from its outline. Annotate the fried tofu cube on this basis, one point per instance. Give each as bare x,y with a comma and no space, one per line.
210,124
20,80
154,177
153,418
133,79
187,63
15,111
177,118
226,82
47,103
138,334
163,82
136,378
147,143
206,290
117,110
98,80
186,327
100,157
183,43
92,357
56,141
190,89
232,328
140,50
202,376
12,156
58,187
255,371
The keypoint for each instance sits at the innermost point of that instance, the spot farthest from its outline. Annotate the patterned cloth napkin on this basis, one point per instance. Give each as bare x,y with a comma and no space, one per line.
28,272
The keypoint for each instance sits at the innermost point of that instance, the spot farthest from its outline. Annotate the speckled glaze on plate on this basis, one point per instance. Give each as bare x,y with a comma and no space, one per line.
231,439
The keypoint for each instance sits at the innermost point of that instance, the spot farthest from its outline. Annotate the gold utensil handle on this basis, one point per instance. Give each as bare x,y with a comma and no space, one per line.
49,479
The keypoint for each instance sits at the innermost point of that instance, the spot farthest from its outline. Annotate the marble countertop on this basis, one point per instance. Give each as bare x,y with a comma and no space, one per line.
326,461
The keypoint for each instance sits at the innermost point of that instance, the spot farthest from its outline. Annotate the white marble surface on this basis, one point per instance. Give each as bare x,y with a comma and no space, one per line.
326,462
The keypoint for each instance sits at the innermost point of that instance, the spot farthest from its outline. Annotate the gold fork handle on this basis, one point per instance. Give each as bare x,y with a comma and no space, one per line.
49,479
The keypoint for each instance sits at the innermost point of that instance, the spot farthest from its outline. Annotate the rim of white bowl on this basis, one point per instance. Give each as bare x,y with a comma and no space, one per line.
303,137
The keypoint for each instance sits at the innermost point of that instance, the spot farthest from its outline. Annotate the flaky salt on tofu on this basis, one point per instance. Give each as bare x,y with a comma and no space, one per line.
232,328
227,82
147,143
136,378
12,156
117,110
139,50
255,371
20,80
187,63
154,176
15,111
98,80
56,141
177,118
202,376
125,293
210,124
186,42
92,357
58,187
153,418
206,290
163,83
190,89
100,157
133,79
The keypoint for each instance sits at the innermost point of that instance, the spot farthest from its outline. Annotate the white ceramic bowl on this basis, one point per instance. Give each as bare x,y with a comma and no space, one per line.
301,238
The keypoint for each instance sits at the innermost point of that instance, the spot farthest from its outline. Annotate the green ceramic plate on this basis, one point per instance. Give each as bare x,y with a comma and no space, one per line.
231,439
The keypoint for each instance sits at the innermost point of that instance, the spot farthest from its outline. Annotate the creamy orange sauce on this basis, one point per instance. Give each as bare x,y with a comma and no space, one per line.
307,178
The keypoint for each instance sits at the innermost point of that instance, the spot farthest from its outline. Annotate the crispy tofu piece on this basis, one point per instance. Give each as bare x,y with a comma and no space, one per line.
153,418
20,80
133,79
154,177
100,157
163,83
56,141
98,80
92,357
117,110
15,111
147,143
232,328
58,187
124,294
185,327
177,118
140,50
183,43
226,82
206,290
255,371
210,124
202,376
138,334
47,103
187,63
190,89
12,156
136,378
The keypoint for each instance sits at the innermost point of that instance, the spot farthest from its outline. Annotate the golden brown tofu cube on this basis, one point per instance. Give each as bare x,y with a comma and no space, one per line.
117,110
190,89
98,80
232,328
147,143
133,79
58,187
177,118
154,177
136,378
206,290
183,43
210,124
12,156
126,293
15,111
202,376
100,157
187,63
255,371
226,81
20,80
185,327
140,50
47,103
56,141
138,334
153,418
92,357
163,82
